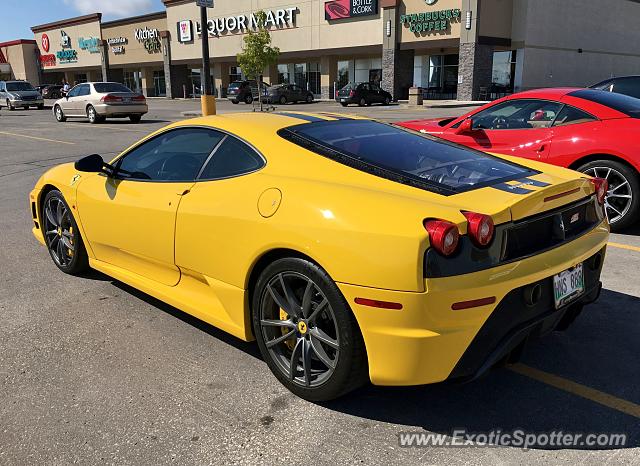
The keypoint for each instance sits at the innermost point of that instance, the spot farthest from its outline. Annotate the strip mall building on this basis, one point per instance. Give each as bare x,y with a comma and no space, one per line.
464,49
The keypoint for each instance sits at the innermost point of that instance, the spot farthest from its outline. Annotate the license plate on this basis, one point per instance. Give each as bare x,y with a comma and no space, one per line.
568,285
343,100
126,100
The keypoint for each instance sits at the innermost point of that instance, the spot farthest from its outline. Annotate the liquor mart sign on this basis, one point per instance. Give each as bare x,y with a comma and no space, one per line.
236,24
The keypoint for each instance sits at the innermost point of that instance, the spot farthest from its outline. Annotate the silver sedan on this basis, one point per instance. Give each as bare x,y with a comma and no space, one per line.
97,101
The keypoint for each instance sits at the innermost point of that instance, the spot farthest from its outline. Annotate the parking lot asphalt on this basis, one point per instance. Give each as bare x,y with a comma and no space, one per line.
93,371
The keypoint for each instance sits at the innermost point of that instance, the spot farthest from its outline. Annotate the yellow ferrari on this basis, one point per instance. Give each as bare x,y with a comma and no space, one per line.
350,249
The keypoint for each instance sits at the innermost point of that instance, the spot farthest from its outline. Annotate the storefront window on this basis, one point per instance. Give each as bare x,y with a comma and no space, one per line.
133,80
159,85
437,75
313,78
235,73
283,74
343,74
80,78
503,74
300,74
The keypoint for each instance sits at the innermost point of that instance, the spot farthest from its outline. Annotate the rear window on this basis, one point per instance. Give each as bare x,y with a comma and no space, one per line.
234,85
110,87
20,86
403,156
630,106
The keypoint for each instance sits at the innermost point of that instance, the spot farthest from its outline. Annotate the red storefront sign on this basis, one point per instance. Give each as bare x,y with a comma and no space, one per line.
47,60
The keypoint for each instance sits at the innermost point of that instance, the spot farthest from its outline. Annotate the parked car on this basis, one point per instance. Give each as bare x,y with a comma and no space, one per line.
628,85
245,91
51,91
285,93
362,94
97,101
350,249
589,130
20,94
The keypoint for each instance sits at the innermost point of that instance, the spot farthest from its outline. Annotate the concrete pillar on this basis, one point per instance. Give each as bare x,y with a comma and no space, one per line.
165,38
390,51
147,82
476,60
104,59
328,76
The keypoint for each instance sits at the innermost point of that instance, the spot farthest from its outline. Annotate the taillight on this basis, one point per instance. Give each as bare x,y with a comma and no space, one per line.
602,186
110,98
480,228
352,93
443,236
138,98
337,93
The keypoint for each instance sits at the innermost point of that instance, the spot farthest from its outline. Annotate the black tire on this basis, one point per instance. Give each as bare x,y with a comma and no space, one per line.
387,101
135,118
310,98
92,115
617,173
235,101
25,107
283,100
344,104
40,106
59,114
9,106
248,99
350,369
71,262
362,102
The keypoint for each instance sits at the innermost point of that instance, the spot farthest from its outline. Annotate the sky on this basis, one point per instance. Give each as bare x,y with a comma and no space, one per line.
17,16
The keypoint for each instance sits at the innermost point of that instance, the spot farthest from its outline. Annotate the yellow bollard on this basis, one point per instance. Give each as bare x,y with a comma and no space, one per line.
208,105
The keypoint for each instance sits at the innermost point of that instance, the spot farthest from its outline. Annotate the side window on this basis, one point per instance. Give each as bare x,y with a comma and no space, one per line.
232,158
177,155
605,86
572,116
364,87
630,87
517,114
84,89
75,92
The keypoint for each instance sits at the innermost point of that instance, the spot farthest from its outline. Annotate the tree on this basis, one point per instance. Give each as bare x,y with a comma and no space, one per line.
257,52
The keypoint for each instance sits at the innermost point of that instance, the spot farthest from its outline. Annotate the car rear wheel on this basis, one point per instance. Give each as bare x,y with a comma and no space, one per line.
387,100
283,100
57,111
62,236
92,115
343,104
362,102
248,99
40,106
623,197
309,98
235,101
306,332
135,118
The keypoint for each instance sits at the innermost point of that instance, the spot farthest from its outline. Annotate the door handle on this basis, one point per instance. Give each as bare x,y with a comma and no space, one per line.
541,149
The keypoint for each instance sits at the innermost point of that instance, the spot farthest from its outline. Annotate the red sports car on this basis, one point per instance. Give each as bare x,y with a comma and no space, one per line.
589,130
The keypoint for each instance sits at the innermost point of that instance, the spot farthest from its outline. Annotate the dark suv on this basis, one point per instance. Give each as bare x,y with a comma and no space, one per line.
244,91
362,94
627,85
284,93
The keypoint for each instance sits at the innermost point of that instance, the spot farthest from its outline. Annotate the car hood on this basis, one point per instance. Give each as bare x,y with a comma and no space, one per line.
24,93
430,126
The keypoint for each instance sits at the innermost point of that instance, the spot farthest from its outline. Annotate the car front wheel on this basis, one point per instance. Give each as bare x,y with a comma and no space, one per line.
11,107
248,99
623,197
62,236
306,332
283,100
362,102
57,111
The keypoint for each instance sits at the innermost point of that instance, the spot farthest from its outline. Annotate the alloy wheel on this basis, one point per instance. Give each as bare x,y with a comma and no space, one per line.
299,329
59,233
59,115
619,197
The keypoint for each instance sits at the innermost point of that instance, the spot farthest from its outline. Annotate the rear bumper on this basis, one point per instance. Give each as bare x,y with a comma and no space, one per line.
427,342
121,110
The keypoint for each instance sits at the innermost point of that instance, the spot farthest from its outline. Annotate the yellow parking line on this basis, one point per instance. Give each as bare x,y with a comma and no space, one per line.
36,138
624,246
610,401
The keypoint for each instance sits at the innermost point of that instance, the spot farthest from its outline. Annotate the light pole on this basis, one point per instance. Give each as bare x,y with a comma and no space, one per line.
207,100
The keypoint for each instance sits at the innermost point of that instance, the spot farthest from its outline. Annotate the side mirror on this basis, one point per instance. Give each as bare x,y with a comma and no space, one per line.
465,127
92,163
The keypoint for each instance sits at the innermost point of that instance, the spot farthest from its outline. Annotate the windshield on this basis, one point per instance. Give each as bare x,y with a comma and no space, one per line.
630,106
20,86
110,87
434,163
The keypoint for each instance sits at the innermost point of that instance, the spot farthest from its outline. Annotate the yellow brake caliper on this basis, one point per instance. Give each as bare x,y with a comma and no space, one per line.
289,342
69,251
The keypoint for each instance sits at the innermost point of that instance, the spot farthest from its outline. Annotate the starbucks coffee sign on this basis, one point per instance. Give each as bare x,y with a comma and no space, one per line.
431,21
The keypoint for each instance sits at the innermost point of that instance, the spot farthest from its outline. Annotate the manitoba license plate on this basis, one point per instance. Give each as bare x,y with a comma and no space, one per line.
568,285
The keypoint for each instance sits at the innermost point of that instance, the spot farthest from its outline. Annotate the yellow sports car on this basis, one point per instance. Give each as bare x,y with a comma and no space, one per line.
350,249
